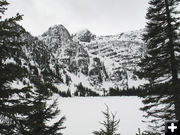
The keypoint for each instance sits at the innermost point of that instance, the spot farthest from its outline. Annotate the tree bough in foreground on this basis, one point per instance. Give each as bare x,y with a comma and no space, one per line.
110,124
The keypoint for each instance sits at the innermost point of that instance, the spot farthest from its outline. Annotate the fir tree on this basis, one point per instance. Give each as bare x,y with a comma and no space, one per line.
23,110
68,93
13,104
81,90
161,62
110,124
42,114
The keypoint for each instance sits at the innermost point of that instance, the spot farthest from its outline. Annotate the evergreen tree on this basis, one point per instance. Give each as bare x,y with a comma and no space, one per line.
81,90
42,114
23,109
110,124
68,93
13,104
161,63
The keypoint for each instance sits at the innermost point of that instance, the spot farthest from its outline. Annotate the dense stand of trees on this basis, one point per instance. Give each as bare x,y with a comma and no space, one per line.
83,91
158,89
128,92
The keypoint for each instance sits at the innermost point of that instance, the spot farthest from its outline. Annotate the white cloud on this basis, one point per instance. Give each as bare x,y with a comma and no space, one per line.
100,16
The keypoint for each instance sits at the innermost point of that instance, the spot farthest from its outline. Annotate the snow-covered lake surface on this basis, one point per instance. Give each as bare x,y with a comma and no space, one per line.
84,114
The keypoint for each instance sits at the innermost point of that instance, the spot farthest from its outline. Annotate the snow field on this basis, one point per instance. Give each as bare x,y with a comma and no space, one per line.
84,114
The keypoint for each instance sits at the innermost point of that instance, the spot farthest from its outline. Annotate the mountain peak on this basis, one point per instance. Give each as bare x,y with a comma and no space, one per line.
84,35
58,31
57,26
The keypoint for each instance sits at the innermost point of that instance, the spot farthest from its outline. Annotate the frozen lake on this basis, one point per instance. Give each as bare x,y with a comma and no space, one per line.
84,113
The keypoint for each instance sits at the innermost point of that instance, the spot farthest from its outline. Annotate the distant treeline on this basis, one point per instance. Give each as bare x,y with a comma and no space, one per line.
82,91
159,89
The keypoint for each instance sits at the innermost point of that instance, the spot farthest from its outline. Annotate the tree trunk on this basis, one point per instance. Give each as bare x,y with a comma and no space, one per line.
177,106
173,64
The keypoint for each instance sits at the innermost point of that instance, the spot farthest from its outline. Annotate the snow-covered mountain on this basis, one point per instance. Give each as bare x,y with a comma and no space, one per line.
97,62
84,63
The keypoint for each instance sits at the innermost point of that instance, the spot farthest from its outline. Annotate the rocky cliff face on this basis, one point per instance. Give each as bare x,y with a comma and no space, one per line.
65,53
119,54
96,62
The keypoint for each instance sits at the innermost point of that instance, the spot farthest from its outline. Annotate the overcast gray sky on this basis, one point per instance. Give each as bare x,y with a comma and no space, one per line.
101,17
